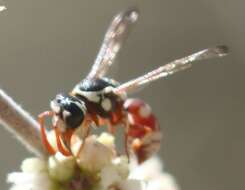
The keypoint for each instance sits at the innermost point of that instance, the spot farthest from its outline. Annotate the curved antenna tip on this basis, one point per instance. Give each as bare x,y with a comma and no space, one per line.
131,14
222,50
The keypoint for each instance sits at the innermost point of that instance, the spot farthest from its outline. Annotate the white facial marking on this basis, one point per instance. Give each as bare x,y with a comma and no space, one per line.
66,100
106,104
145,111
54,107
66,114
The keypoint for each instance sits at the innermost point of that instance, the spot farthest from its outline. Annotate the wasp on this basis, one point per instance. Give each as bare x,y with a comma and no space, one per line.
100,101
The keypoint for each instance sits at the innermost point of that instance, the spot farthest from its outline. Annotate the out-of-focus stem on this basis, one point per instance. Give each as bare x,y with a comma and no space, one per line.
16,120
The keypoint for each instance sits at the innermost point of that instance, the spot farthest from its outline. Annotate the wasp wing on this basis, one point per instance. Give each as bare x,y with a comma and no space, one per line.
114,38
171,68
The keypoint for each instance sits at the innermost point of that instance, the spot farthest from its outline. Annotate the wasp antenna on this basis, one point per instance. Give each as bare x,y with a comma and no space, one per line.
115,36
222,50
218,51
172,67
132,14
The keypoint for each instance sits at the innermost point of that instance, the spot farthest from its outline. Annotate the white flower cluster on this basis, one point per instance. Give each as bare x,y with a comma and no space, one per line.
97,167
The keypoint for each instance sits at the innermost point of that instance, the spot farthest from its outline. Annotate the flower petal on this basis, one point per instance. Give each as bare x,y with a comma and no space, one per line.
150,169
94,155
30,181
33,165
60,167
163,182
132,185
109,176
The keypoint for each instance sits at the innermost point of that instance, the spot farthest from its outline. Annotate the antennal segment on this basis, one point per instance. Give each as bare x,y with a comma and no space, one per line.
172,67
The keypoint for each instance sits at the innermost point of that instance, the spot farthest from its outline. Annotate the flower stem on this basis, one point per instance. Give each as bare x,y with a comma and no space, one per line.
24,127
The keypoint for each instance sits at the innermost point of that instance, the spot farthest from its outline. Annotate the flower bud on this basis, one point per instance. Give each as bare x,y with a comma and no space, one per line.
33,165
60,167
93,155
121,165
107,140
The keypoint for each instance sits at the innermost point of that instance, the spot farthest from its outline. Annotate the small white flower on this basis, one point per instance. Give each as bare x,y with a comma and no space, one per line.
61,168
151,171
115,173
122,166
100,169
34,165
30,181
94,155
148,170
34,176
107,140
163,182
132,185
109,177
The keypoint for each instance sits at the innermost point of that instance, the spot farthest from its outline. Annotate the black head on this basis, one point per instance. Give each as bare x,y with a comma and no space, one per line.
69,109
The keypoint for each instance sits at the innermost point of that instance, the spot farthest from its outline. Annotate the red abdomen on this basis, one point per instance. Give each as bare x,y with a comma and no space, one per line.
140,118
144,136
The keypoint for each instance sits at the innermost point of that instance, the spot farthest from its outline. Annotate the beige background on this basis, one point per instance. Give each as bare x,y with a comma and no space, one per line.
47,46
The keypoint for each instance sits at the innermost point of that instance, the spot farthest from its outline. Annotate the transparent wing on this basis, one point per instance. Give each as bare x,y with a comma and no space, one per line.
171,68
113,40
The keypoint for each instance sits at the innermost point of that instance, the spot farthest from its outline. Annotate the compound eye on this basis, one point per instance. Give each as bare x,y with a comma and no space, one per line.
66,114
73,114
74,119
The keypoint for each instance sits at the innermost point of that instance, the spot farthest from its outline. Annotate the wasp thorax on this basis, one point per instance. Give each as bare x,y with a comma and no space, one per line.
68,109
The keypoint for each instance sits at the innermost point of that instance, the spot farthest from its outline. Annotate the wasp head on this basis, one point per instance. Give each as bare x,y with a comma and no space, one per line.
69,111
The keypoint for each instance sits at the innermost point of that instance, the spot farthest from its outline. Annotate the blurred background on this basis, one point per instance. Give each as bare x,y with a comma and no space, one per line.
46,47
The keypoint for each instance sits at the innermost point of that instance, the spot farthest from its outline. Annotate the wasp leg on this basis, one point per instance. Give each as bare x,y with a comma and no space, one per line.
126,145
44,138
106,122
147,130
87,132
64,151
126,127
111,128
82,145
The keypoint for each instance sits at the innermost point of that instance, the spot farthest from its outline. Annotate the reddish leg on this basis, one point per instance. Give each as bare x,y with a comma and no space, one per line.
82,145
110,127
63,150
147,130
41,118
